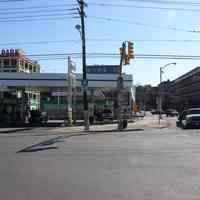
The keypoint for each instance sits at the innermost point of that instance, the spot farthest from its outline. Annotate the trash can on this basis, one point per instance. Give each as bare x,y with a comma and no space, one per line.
123,124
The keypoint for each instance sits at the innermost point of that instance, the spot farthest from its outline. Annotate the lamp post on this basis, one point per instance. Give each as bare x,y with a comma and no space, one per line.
160,93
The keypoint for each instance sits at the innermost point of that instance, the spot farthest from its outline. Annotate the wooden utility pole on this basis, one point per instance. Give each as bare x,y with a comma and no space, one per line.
84,80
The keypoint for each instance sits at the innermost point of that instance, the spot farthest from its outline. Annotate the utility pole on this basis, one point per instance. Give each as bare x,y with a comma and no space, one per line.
84,80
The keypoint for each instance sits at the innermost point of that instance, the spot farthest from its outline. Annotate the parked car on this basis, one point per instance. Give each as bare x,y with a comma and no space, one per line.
107,114
153,111
189,118
171,112
156,112
38,117
98,115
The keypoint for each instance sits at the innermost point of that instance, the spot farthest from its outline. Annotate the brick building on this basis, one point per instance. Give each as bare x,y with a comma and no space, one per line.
146,97
15,60
186,90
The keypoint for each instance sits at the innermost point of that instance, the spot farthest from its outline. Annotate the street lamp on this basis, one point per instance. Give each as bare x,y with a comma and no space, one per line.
81,30
78,27
160,95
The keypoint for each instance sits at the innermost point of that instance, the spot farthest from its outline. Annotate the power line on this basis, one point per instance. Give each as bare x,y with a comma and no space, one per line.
32,16
166,2
97,4
114,55
142,7
39,7
96,40
39,42
37,19
34,11
142,24
9,1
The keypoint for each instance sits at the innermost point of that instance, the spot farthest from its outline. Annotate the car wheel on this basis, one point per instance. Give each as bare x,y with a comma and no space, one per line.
184,126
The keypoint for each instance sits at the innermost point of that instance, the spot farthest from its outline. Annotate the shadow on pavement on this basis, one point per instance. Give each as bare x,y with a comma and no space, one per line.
42,145
36,149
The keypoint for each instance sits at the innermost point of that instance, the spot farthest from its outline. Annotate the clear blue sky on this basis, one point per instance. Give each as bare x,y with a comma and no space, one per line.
143,71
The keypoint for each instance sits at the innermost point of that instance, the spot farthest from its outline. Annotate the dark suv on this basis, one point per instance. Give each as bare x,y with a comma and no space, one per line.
189,118
37,117
107,114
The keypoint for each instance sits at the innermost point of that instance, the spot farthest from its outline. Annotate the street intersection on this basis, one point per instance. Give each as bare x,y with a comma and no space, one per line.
141,163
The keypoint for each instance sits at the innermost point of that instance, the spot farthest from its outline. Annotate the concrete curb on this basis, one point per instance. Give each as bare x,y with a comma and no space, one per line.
14,130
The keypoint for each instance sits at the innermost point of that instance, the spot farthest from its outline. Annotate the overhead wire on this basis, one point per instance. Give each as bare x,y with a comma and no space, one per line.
55,14
113,55
110,19
142,7
38,19
34,11
38,7
9,1
32,16
188,3
107,40
61,16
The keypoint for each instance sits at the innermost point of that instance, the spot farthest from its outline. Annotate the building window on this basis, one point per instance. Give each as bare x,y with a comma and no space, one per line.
13,70
6,62
14,62
34,96
6,70
34,69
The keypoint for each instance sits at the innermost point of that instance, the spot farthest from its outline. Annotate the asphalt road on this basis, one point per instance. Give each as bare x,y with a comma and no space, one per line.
151,164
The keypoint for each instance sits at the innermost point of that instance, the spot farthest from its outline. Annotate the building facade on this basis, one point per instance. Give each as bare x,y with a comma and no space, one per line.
15,60
186,90
146,97
53,88
14,102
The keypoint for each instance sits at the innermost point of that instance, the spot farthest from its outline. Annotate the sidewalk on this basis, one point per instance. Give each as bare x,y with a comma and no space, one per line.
146,122
153,122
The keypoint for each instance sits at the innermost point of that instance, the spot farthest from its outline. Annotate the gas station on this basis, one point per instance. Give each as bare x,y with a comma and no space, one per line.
50,92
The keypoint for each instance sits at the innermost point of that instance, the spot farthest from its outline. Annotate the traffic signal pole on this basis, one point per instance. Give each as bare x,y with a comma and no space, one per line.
120,86
125,59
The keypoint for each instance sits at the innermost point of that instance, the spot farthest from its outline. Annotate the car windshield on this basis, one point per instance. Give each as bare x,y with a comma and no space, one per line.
107,111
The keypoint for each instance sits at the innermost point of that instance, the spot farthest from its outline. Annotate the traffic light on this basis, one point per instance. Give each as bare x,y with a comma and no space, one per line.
122,51
130,50
126,60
